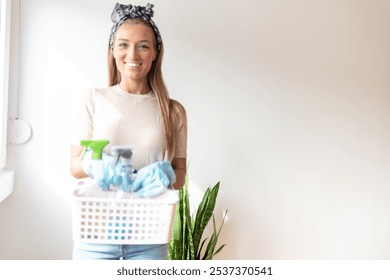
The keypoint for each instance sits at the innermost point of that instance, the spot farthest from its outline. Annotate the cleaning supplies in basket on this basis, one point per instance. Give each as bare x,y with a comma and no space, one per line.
93,161
126,172
109,172
115,171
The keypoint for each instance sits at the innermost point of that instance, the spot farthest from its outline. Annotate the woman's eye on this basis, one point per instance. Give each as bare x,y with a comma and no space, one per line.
122,45
143,47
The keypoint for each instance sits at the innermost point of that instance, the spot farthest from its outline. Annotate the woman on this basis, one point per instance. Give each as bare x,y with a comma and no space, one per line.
135,110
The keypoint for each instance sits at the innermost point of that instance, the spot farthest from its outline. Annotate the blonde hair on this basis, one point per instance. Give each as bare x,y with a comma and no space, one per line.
172,112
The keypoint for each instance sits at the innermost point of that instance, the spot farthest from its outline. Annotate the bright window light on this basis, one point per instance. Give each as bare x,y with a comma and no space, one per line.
5,18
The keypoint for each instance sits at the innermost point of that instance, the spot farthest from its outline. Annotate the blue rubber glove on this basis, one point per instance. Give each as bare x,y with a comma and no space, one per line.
123,178
154,179
111,174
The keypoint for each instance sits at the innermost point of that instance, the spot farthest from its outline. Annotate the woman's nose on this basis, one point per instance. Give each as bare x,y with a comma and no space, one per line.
132,53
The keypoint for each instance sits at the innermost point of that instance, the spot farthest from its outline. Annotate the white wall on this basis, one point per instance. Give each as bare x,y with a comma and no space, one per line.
288,105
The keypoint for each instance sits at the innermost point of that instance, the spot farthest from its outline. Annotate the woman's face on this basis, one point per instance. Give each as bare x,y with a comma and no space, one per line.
134,51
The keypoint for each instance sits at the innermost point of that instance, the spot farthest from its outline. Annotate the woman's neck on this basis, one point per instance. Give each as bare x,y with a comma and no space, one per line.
135,88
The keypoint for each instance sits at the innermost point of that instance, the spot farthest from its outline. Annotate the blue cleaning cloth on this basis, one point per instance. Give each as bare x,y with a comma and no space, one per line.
154,179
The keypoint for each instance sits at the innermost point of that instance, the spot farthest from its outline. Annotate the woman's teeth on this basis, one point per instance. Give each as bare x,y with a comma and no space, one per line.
132,64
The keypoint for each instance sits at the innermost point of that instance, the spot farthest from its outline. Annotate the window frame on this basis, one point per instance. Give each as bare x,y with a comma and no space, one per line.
5,42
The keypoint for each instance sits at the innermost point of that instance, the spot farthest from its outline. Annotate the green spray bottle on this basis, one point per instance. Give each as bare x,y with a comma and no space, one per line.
97,146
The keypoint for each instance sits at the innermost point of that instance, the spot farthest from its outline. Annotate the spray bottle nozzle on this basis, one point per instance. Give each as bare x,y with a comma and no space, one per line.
96,146
123,153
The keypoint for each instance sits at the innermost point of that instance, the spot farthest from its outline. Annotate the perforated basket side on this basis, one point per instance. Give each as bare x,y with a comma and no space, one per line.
122,221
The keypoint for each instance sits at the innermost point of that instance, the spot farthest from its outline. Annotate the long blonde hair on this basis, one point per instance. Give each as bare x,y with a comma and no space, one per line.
172,112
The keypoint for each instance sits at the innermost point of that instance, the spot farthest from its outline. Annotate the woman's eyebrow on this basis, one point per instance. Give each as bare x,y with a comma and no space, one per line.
141,41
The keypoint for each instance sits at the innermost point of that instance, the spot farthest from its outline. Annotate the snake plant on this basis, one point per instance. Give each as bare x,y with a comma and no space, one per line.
187,232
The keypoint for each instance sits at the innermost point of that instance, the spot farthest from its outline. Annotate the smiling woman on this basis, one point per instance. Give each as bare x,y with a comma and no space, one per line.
135,110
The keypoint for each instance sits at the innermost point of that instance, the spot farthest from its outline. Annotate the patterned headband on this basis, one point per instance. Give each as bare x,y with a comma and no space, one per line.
123,12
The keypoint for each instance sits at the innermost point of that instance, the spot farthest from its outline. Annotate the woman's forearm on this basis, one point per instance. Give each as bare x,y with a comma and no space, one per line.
76,168
180,178
76,165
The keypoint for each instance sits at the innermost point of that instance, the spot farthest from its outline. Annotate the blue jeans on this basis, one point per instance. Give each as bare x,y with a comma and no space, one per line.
90,251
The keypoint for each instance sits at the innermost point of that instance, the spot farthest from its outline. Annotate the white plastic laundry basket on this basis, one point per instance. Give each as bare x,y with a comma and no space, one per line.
111,218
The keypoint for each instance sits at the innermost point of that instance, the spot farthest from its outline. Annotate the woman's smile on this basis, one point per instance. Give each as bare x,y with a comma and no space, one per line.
133,65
